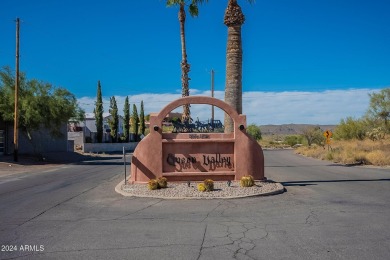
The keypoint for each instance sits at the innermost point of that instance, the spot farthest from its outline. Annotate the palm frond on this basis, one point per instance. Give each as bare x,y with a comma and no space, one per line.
173,2
193,9
199,1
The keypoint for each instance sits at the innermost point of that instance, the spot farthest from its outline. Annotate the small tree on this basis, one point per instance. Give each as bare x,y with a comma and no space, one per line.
98,111
142,119
126,112
313,135
380,107
40,106
134,122
254,131
114,121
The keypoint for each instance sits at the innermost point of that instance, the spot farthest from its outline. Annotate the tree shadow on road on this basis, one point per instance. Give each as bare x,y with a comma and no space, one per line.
62,158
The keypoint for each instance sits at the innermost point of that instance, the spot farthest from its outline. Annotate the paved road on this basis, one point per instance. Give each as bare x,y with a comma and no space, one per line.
328,212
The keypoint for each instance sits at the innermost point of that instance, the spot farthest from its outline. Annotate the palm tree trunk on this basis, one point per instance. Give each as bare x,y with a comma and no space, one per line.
185,67
234,18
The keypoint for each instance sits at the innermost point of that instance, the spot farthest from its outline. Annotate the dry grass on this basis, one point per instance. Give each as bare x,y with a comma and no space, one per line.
351,152
274,142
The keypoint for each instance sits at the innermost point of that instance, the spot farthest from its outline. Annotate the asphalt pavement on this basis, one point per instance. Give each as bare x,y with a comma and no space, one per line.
72,212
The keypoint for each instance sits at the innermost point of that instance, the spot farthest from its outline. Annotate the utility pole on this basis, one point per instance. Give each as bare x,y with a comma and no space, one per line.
16,116
212,95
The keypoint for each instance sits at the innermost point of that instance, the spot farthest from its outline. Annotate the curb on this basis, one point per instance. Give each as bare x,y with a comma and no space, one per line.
279,189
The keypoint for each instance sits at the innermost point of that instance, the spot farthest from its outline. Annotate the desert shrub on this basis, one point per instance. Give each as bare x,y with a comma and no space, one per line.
247,181
153,184
201,187
209,184
162,182
352,152
378,157
254,131
351,129
314,151
292,140
329,156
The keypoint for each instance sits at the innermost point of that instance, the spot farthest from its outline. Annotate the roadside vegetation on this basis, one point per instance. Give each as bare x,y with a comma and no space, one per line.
354,141
254,131
358,141
281,141
351,152
133,126
42,108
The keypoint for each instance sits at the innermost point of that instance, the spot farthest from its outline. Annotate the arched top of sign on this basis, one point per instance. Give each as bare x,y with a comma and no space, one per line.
195,156
198,100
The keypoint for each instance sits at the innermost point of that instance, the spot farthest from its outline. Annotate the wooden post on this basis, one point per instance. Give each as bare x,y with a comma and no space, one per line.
16,115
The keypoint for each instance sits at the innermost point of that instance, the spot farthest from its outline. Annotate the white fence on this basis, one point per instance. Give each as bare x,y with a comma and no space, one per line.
108,147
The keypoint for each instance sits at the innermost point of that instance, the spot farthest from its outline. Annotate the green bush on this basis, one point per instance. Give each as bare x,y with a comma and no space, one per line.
254,131
292,140
351,129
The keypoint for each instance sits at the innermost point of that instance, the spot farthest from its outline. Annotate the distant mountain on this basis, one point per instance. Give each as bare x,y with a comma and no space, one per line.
290,129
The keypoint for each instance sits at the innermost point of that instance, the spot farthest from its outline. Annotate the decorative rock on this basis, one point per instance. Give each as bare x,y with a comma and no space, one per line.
182,191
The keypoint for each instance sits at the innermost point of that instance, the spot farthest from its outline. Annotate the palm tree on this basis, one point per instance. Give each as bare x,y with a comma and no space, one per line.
185,67
234,19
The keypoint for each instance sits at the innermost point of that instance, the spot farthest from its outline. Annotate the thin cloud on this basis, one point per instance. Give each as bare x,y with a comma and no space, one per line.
261,108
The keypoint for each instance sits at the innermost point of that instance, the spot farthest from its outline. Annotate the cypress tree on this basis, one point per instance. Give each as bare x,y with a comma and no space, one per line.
114,122
134,122
142,119
126,112
99,113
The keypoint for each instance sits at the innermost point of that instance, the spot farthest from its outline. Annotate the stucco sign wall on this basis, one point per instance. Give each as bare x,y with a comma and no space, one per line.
197,156
202,157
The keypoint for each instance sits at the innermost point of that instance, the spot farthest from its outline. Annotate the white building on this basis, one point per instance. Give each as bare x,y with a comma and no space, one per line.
88,128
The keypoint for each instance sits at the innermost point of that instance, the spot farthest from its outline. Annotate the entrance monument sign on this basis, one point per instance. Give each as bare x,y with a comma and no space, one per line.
197,156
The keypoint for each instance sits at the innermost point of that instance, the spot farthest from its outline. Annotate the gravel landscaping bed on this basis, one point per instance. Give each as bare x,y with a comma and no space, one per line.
182,191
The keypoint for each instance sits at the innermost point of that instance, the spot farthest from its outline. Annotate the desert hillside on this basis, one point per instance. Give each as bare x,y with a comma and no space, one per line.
290,129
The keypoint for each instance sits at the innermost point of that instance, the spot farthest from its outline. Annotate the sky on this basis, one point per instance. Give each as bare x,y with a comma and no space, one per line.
304,61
